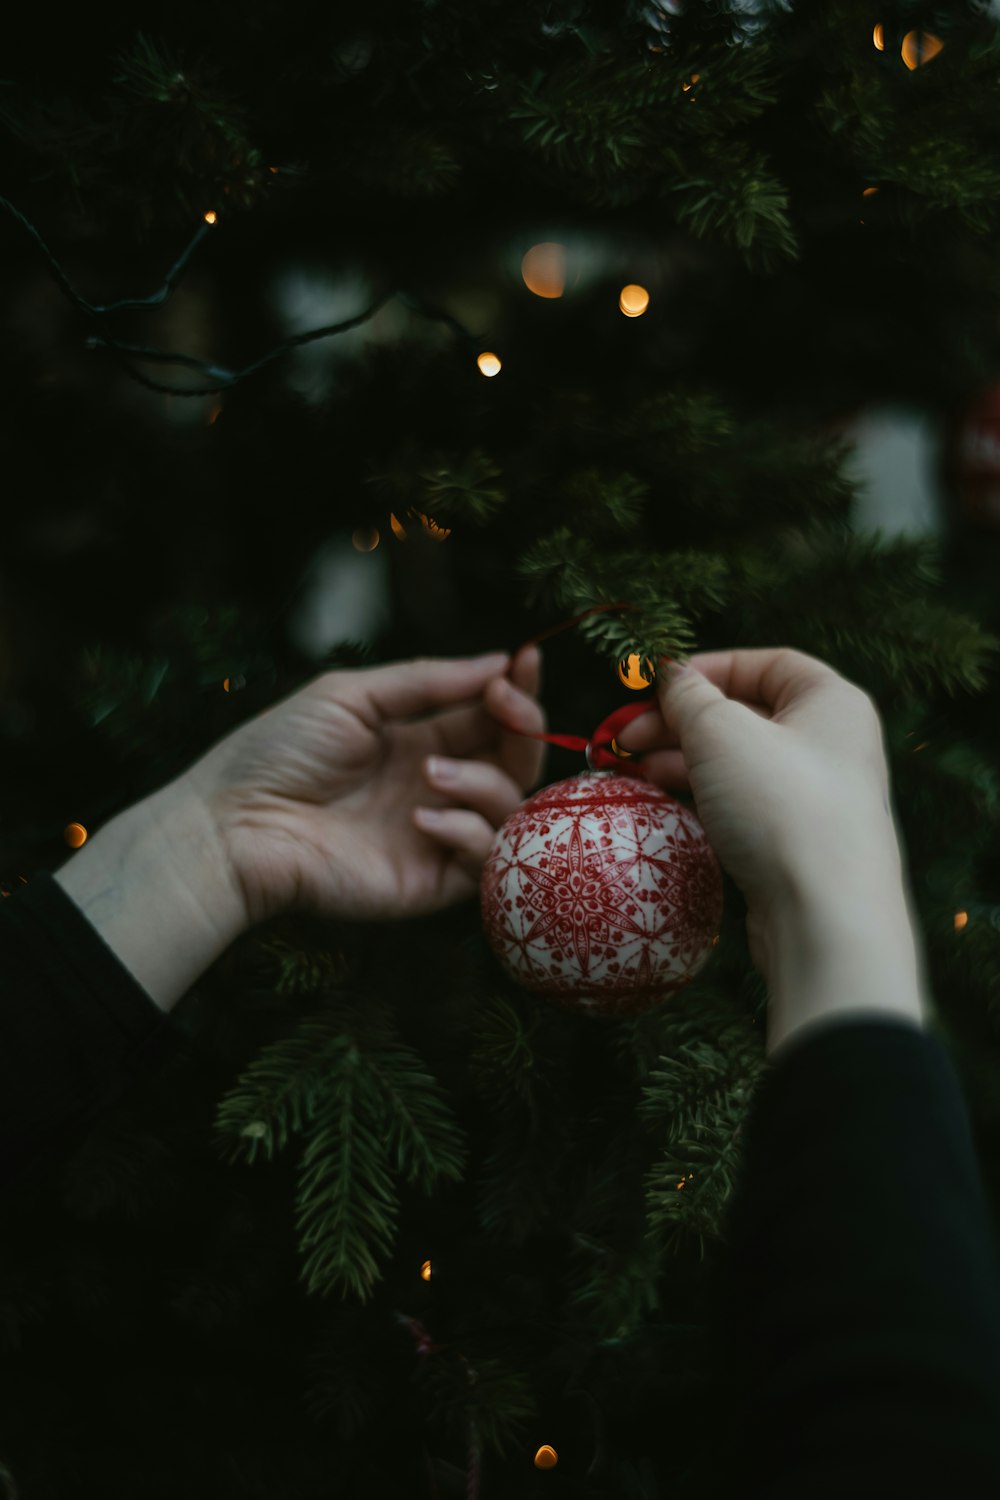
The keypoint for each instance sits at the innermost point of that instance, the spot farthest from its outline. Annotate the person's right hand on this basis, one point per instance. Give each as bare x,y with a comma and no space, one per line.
785,760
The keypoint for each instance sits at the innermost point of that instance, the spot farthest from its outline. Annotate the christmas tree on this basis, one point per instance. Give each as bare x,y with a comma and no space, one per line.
338,337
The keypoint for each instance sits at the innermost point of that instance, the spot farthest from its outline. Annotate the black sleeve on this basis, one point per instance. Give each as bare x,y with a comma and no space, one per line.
75,1027
863,1283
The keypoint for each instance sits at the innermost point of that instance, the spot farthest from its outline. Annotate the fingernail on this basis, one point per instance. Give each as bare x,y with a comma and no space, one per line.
429,814
441,770
669,670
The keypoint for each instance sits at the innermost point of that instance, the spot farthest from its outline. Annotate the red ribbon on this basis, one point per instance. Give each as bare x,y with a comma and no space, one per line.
598,758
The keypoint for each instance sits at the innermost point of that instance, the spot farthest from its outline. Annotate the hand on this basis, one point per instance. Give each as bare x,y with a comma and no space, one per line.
315,800
787,766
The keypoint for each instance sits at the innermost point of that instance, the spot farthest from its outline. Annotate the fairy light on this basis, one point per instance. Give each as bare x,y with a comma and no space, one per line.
633,300
211,216
961,920
489,364
75,835
365,539
233,684
878,37
920,47
425,1270
869,192
544,269
546,1457
631,675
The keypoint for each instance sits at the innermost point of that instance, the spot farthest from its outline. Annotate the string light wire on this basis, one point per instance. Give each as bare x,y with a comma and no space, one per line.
223,379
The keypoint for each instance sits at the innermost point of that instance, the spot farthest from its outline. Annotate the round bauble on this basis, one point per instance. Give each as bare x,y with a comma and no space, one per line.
603,894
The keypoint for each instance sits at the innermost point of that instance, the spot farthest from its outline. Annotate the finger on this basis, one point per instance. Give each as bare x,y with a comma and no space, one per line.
772,676
513,701
484,788
667,768
649,732
473,730
470,835
404,689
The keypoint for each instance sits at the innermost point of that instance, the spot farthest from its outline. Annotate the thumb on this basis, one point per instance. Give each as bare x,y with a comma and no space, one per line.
682,690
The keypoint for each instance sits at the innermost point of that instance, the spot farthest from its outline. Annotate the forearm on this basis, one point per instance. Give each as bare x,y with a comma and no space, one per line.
858,952
155,884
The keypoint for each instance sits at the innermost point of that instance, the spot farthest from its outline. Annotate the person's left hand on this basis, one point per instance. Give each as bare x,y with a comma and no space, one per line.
316,799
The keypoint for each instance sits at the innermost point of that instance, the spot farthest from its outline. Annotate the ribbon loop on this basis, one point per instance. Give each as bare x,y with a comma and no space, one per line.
598,758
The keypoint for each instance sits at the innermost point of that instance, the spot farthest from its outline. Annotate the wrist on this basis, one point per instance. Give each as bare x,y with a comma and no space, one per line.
853,955
156,886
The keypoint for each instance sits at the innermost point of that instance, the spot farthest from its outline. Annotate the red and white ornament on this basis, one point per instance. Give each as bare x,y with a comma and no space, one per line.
603,894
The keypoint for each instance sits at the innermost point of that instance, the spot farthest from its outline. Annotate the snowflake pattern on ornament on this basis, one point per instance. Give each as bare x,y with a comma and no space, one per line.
602,893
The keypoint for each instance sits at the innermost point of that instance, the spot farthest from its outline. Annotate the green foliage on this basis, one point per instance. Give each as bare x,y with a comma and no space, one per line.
518,1066
606,502
694,1105
369,1111
151,696
478,1402
743,205
615,129
575,574
447,486
927,142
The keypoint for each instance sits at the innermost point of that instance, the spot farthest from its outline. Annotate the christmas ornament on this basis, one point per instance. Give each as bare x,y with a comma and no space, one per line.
602,893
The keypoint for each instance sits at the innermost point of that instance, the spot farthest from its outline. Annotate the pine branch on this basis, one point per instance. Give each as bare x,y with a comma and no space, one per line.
346,1204
742,204
519,1066
419,1133
368,1109
478,1400
283,1087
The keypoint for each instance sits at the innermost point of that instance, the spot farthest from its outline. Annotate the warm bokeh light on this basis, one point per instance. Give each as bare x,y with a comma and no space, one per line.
694,79
210,217
75,834
215,412
365,538
544,269
439,533
633,300
233,684
630,672
488,364
919,47
869,192
425,1270
619,751
546,1457
878,37
961,920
